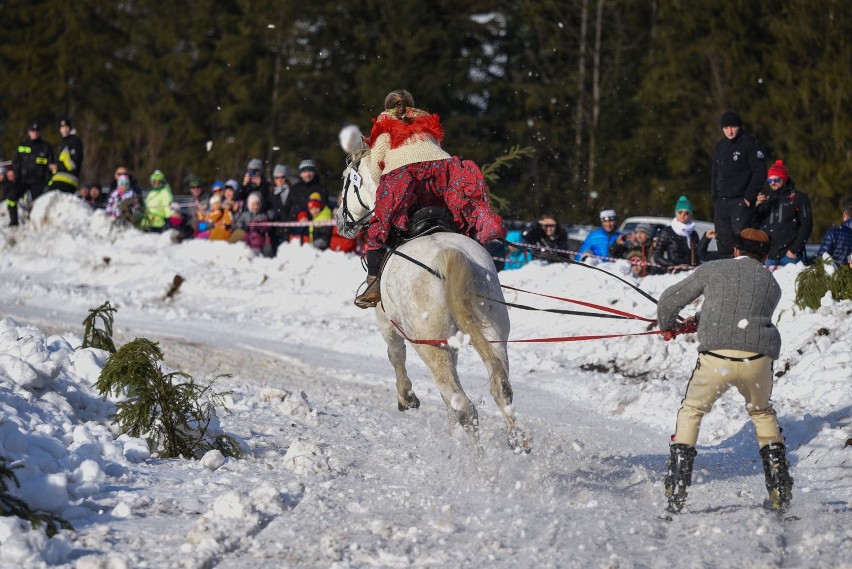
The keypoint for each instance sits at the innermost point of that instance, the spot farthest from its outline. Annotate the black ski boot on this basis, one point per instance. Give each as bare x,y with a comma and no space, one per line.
679,475
779,483
13,213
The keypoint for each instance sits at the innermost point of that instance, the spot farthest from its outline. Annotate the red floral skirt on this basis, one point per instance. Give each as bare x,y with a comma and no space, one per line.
457,184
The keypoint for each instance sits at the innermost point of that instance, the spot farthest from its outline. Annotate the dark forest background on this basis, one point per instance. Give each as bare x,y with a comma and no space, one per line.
619,99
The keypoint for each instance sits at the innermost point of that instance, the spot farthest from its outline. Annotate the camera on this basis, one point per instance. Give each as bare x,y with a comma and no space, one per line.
253,172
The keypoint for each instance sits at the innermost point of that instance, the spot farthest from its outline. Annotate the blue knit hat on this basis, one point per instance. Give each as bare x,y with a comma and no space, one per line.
683,203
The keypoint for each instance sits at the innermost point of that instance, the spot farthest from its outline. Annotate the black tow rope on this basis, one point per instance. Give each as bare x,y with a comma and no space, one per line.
564,258
425,267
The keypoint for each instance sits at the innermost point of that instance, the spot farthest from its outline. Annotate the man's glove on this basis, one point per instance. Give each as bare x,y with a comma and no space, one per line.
688,326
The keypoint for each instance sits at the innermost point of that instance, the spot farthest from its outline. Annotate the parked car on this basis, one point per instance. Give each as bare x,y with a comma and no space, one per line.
657,223
811,252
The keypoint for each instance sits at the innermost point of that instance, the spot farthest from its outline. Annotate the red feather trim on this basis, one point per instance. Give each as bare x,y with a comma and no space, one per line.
400,131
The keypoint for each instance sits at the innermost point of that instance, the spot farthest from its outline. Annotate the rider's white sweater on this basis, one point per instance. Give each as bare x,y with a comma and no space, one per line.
420,147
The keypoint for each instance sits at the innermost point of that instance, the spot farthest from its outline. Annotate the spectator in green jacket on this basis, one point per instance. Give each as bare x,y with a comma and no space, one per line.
157,203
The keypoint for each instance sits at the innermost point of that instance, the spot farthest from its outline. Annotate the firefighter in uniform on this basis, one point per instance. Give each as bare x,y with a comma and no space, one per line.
70,160
33,163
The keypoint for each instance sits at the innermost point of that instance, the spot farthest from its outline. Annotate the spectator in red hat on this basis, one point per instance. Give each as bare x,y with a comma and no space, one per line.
319,236
300,234
785,215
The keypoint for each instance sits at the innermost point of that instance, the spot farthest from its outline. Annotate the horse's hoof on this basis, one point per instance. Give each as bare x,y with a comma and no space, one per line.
520,442
411,402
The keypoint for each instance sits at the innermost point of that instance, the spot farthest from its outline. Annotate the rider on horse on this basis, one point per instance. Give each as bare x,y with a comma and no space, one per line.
414,172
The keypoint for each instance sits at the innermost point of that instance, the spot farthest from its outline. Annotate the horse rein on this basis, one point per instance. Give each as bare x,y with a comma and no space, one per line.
615,314
353,181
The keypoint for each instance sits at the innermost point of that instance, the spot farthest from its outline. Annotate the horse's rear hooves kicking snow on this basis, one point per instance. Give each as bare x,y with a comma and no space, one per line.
410,402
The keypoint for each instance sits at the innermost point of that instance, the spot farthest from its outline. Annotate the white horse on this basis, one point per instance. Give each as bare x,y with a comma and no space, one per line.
466,297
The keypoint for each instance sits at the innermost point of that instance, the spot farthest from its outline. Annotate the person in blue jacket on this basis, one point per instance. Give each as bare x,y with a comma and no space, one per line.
837,241
598,242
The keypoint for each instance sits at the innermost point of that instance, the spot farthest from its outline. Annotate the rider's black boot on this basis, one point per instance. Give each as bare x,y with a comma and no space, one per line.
679,475
372,295
776,469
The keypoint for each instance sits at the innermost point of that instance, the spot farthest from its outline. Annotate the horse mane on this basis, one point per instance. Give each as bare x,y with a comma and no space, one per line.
359,154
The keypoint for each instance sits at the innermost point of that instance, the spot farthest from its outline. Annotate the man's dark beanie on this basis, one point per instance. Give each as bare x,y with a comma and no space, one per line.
730,118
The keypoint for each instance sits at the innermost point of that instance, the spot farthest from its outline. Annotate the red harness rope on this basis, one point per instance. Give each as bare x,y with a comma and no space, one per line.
583,303
668,335
528,340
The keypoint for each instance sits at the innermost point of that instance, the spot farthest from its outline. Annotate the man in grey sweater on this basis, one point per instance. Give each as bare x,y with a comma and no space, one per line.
737,345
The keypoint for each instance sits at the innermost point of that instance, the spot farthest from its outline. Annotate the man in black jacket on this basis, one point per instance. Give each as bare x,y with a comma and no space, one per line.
70,160
785,215
33,163
739,169
309,182
281,207
547,235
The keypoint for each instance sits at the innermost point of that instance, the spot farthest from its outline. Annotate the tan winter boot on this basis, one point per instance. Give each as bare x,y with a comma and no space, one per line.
371,296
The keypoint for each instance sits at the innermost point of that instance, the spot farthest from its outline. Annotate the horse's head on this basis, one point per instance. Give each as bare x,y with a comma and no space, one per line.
359,195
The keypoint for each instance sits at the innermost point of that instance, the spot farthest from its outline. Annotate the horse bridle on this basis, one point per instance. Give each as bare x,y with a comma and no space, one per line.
353,182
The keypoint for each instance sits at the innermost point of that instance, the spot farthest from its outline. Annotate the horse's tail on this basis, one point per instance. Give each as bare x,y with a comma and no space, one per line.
463,304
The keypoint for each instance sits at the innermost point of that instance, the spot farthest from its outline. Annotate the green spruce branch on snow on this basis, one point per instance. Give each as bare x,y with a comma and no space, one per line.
170,409
821,277
11,505
99,337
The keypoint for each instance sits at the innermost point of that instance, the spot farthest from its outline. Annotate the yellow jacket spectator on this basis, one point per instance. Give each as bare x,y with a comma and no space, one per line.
157,203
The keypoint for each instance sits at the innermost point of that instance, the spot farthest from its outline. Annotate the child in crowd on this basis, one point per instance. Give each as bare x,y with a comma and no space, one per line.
319,236
230,202
219,220
97,198
123,202
300,234
255,236
178,221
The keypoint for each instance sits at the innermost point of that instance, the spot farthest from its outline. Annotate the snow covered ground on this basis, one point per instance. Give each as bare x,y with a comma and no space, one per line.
335,476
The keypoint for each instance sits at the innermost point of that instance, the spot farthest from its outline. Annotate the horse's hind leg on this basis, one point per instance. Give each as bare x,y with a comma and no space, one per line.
497,363
442,363
405,397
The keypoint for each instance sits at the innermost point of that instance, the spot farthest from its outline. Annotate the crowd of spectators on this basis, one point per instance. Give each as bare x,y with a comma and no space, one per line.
296,207
262,213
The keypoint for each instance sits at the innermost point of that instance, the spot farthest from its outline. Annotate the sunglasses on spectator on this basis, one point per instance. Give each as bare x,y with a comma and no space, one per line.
683,211
774,180
546,225
123,173
609,219
278,177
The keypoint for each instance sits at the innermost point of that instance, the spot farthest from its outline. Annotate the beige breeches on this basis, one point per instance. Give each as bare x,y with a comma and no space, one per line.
712,378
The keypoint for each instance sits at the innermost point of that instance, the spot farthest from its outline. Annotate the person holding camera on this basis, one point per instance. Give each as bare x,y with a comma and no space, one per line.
547,235
253,181
785,215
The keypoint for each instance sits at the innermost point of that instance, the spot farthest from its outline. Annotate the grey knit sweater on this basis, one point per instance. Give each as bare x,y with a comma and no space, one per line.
740,296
